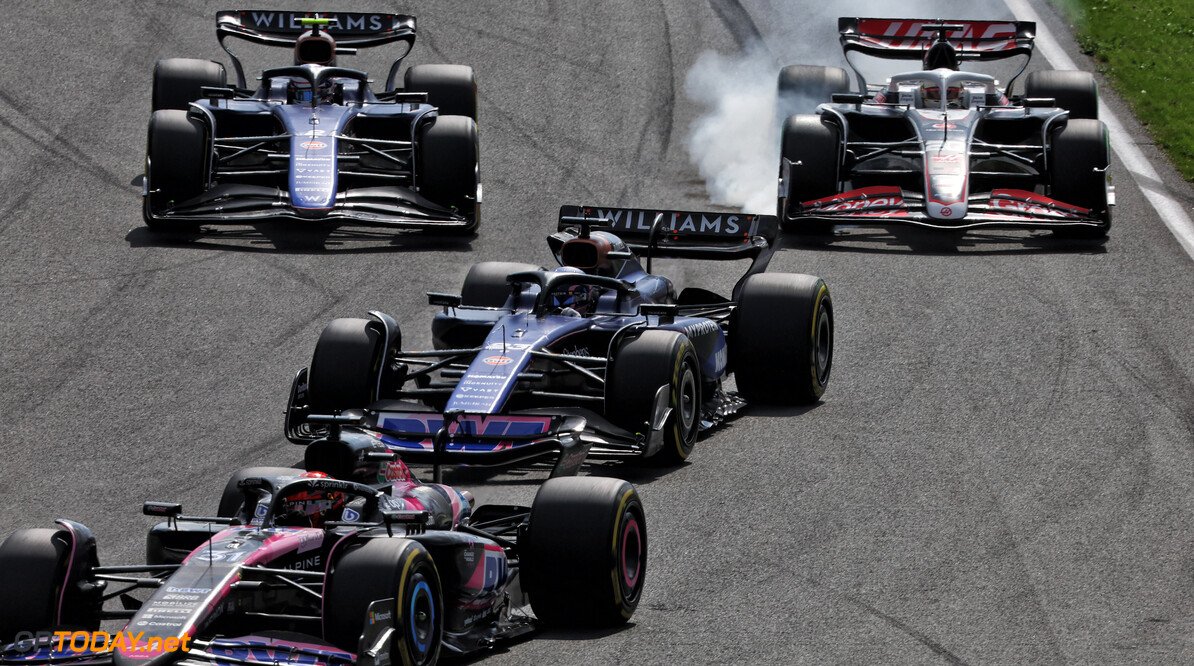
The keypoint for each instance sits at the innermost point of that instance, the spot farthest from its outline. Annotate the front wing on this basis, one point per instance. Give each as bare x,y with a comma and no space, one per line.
374,206
503,439
999,209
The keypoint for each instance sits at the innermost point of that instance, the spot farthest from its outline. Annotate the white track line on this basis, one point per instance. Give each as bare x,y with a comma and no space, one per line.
1130,157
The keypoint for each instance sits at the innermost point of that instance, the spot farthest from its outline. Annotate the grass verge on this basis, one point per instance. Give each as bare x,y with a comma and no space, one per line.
1146,48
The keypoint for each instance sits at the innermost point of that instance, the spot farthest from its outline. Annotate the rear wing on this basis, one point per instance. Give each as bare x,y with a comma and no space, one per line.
705,235
351,30
908,39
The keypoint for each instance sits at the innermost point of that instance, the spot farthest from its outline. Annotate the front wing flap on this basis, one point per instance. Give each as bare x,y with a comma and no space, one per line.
1003,208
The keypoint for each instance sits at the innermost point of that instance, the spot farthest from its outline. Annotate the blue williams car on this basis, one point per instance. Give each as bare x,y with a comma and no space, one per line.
313,141
596,357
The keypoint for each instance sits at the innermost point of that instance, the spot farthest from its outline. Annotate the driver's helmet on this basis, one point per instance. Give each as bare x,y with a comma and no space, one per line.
591,254
299,92
310,507
932,95
580,299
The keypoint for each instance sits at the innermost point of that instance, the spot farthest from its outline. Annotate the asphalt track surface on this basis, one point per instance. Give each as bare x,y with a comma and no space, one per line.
1001,470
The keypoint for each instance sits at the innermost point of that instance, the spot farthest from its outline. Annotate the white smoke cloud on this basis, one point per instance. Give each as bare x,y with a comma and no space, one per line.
735,141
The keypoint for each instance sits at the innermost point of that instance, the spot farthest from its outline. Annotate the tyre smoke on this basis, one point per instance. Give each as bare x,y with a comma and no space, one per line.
735,140
734,143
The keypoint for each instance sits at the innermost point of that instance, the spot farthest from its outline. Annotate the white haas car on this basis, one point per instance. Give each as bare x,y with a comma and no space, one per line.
942,148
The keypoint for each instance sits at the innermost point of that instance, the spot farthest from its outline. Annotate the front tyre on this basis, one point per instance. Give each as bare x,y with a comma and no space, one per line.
639,366
781,338
379,569
38,588
1079,158
346,367
177,162
811,147
584,555
448,161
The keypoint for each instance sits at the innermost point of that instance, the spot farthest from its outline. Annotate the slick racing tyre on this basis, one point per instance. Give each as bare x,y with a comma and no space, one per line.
812,148
448,167
177,160
639,366
346,366
584,556
1078,159
1076,92
451,88
377,569
781,339
232,498
485,285
38,588
800,88
179,81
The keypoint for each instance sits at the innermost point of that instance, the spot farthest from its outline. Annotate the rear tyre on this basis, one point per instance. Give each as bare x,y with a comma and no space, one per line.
812,148
36,590
1079,158
346,366
179,81
801,88
449,167
382,569
451,88
232,498
584,555
639,366
781,338
1076,92
176,163
485,285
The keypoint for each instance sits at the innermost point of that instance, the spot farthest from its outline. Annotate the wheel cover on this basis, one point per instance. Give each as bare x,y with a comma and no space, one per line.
421,618
630,558
687,402
822,345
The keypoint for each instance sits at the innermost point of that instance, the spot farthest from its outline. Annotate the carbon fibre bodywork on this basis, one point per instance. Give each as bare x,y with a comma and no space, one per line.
944,149
249,589
313,142
529,378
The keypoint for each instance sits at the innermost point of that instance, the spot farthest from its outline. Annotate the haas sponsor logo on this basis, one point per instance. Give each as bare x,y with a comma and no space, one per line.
866,204
915,33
